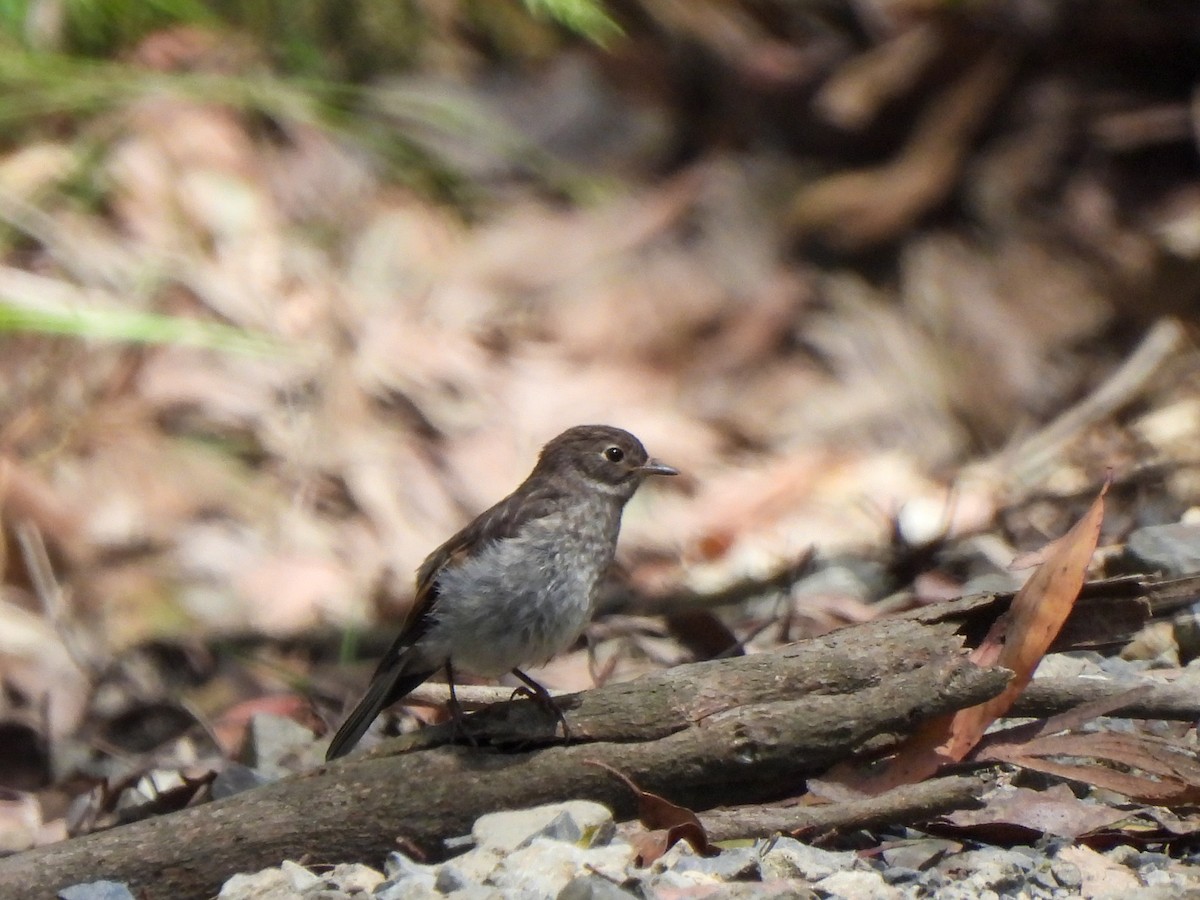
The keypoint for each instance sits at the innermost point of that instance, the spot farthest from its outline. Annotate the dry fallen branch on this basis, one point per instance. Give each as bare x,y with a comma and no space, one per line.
684,600
1030,459
906,803
1050,696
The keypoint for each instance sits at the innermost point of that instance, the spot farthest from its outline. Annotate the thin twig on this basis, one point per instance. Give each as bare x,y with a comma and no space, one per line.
1023,463
470,696
687,600
55,605
906,804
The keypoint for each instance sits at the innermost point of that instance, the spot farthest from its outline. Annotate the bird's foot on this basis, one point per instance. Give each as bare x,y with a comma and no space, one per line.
542,697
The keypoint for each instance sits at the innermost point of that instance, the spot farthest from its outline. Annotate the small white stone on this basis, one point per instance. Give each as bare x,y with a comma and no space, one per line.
406,890
1157,878
858,885
546,866
299,877
351,877
476,865
670,859
685,884
269,884
789,858
506,831
399,868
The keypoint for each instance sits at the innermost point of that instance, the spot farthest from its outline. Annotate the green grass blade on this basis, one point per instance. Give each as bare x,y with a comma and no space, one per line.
136,328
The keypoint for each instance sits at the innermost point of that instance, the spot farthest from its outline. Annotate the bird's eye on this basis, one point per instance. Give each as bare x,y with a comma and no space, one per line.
614,454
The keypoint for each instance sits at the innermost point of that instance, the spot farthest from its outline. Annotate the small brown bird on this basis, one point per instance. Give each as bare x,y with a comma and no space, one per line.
519,583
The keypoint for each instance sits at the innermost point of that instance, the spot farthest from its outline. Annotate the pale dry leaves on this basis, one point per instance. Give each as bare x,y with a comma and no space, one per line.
426,360
494,337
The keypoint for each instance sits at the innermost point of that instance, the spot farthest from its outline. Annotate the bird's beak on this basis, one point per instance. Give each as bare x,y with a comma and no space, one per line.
654,467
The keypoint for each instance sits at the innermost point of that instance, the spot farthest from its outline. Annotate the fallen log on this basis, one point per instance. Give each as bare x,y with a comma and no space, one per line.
712,733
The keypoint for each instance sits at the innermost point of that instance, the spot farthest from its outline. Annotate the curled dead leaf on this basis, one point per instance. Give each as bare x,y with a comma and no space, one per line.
668,822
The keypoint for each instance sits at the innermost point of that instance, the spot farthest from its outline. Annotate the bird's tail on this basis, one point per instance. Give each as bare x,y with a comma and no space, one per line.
386,688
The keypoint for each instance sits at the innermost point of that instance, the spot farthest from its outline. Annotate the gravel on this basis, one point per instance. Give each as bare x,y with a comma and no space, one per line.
574,851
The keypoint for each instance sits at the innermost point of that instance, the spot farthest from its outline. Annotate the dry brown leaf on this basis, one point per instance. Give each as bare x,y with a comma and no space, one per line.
25,496
1017,641
1055,811
661,815
1172,773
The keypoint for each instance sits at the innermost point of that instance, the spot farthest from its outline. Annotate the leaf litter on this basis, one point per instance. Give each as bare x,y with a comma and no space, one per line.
260,504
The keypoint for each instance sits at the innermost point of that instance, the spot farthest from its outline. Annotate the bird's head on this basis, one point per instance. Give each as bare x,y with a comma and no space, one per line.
611,459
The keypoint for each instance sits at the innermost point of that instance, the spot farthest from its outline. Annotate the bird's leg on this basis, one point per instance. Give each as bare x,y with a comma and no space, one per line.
542,698
456,710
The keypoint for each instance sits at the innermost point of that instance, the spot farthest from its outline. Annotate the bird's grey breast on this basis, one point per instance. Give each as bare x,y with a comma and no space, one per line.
526,597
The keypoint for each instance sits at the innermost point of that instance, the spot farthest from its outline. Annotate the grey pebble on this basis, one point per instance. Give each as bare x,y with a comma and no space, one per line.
96,890
919,854
508,830
234,779
353,878
1044,877
405,890
731,864
672,883
932,879
271,740
1149,861
552,852
449,878
789,858
269,883
593,887
1172,549
964,891
990,868
1124,855
548,866
399,868
858,885
899,875
1066,873
777,890
1157,877
562,827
